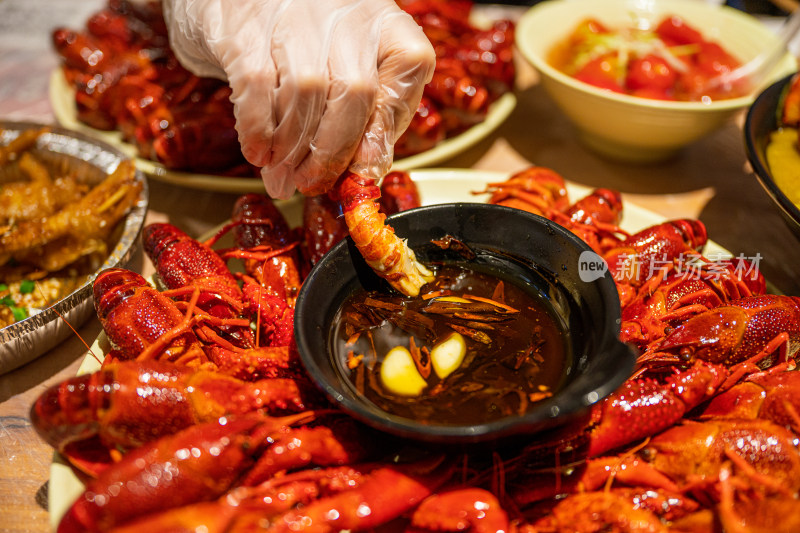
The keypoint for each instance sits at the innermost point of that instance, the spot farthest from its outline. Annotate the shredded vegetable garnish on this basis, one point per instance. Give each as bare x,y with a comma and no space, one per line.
627,45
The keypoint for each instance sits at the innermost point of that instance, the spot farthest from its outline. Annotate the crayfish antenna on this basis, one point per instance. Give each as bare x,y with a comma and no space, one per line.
70,326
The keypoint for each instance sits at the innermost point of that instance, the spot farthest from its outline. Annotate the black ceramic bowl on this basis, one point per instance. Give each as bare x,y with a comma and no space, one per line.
536,252
763,118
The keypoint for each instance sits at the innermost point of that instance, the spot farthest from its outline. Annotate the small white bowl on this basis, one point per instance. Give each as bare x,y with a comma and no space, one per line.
631,128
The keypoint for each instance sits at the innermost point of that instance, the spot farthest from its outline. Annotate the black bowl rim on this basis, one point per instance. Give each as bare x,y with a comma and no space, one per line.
769,99
550,410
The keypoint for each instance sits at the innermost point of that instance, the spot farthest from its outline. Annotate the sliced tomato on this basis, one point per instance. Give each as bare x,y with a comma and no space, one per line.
673,30
692,84
601,72
712,59
650,73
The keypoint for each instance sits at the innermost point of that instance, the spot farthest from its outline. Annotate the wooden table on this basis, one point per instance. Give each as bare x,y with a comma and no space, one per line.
710,180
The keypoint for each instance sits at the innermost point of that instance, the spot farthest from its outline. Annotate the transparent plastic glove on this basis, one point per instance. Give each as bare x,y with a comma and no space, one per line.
317,85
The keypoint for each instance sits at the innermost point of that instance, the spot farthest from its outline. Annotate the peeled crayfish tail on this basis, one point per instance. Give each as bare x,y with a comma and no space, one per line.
387,254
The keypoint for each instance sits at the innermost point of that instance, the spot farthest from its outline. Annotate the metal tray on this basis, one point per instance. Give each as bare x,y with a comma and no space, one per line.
63,149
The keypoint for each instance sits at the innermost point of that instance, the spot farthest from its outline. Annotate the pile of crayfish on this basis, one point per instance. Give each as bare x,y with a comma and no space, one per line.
202,418
126,78
474,67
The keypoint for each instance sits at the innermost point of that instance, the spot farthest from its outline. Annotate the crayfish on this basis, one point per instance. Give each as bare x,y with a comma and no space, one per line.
127,78
202,416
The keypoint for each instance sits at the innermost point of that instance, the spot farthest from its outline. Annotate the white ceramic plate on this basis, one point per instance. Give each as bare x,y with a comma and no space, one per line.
62,99
436,187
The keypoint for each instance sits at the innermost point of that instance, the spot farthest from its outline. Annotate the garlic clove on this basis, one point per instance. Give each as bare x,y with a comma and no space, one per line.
399,374
448,355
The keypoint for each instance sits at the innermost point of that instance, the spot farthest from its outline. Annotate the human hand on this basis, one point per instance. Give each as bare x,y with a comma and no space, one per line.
317,87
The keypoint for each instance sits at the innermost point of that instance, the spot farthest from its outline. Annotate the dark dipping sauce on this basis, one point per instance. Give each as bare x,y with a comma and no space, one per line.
512,361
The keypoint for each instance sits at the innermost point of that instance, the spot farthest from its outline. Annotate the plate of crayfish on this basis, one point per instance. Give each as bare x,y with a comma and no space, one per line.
701,437
181,128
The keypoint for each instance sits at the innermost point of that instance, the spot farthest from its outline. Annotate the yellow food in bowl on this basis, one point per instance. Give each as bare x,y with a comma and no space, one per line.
784,162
